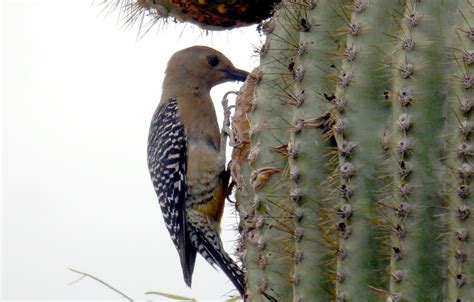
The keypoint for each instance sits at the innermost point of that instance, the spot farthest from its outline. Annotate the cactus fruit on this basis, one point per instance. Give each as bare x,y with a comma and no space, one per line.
207,14
354,169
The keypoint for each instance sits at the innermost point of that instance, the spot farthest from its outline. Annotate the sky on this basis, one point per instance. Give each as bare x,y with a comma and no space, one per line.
78,93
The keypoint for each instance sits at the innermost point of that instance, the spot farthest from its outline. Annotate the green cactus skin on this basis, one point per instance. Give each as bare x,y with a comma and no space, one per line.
419,108
460,270
314,67
363,83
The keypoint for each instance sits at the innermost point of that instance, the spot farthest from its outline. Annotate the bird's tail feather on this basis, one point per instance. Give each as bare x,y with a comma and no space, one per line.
187,257
205,237
215,254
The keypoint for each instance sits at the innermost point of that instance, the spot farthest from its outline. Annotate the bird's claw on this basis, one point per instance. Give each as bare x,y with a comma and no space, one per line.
226,130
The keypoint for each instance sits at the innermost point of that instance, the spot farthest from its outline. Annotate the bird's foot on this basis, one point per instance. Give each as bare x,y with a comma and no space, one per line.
226,130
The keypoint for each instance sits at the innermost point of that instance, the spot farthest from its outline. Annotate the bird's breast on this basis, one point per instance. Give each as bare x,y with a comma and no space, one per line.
199,119
206,192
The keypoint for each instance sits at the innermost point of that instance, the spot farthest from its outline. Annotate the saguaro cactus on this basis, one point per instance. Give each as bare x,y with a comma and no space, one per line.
354,170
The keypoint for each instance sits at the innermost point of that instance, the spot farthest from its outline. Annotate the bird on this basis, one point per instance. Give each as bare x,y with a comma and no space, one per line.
186,158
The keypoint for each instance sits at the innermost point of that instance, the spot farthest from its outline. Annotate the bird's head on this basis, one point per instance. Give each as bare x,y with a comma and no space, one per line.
203,66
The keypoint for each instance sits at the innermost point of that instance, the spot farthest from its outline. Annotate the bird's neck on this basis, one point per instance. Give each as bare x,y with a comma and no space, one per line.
194,107
178,84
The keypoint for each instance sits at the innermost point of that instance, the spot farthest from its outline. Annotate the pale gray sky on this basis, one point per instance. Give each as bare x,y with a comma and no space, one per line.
77,98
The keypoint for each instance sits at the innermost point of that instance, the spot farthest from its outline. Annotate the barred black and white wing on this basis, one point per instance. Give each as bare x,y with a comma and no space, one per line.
167,158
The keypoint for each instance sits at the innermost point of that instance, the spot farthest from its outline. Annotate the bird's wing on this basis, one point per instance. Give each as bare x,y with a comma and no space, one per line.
167,158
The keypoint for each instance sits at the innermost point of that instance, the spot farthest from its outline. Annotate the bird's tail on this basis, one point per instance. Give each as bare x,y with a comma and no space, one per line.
206,239
187,257
216,255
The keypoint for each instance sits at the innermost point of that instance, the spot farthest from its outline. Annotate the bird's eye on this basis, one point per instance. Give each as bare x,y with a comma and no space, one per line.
213,60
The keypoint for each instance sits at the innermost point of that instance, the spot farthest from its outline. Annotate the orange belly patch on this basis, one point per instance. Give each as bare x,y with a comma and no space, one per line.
215,207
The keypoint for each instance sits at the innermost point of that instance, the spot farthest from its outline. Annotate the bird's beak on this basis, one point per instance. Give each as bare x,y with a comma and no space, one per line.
235,74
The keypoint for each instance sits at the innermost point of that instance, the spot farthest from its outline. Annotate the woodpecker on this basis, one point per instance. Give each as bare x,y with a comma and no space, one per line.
186,158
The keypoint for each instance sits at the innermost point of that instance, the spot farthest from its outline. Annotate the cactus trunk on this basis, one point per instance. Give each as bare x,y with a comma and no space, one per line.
354,169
